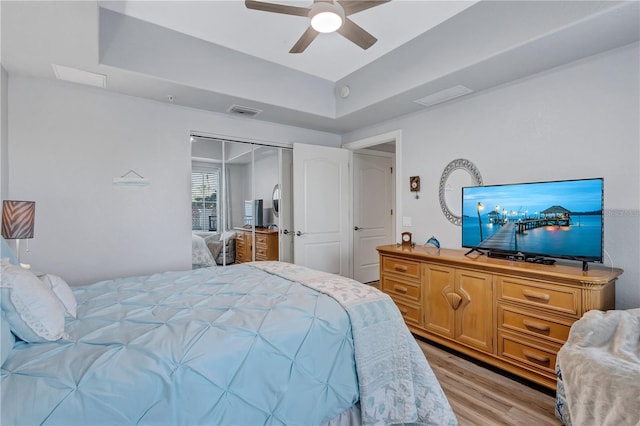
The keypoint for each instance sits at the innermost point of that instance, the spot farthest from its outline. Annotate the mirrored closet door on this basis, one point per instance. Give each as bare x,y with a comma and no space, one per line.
240,201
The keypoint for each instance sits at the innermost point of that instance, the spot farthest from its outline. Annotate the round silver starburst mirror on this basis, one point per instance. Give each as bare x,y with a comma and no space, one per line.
458,174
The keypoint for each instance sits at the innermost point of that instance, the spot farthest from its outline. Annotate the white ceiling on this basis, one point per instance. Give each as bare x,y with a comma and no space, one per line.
214,54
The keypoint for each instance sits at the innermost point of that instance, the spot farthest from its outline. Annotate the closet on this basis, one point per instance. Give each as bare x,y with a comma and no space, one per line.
241,195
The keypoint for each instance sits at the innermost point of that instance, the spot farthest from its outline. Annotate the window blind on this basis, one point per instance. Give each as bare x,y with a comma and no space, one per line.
205,187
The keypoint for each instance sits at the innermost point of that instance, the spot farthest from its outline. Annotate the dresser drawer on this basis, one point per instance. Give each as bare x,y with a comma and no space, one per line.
409,313
400,288
261,239
402,267
532,323
261,253
539,295
528,352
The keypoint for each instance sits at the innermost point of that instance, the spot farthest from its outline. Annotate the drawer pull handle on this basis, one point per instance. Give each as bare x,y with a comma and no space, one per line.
536,357
399,288
401,268
536,325
534,295
404,312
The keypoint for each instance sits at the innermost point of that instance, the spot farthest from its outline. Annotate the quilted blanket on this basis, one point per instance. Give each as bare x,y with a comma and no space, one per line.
600,369
213,346
407,393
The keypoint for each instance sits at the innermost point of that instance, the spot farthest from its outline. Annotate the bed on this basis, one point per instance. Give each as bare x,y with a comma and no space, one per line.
259,343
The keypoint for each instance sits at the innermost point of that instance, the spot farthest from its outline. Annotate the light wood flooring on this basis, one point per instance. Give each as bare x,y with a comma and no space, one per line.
480,396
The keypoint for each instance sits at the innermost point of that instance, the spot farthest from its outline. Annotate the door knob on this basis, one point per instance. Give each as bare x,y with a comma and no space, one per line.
356,228
299,234
285,231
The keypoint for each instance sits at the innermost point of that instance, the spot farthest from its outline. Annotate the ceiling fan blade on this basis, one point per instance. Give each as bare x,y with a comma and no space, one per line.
356,34
276,8
304,41
353,6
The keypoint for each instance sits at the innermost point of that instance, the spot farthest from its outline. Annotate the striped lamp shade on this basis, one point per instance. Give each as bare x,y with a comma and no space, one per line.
18,219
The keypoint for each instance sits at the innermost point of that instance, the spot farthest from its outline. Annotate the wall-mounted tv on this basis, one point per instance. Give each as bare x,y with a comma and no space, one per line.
559,219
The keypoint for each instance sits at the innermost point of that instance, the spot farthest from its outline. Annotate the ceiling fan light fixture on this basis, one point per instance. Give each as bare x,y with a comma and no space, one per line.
326,17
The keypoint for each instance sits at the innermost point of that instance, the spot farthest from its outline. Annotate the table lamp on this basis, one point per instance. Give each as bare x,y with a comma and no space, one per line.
18,219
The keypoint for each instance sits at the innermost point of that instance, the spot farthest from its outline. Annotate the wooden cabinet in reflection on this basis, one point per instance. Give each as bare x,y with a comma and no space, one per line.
266,244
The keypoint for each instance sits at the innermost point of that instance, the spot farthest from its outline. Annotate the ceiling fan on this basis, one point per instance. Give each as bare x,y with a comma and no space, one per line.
326,16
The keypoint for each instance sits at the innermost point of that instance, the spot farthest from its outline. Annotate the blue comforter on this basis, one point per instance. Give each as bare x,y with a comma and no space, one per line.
397,385
219,346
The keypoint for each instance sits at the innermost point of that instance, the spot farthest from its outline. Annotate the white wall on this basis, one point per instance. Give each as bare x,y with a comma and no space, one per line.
67,143
4,134
577,121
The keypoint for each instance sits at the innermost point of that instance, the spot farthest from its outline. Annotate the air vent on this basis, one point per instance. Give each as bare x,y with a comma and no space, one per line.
444,95
243,110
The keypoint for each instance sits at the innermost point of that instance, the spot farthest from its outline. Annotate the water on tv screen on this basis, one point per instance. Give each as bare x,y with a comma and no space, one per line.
557,219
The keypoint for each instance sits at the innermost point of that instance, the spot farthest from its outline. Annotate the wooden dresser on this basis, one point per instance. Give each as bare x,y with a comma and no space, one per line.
266,244
513,315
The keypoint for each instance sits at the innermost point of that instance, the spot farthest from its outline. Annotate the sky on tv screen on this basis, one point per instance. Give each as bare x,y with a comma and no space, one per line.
575,196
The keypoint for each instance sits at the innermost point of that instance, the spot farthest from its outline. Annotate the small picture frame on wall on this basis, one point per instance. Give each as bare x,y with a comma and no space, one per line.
414,183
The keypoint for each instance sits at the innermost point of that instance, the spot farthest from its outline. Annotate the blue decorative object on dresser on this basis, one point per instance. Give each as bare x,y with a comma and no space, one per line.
433,241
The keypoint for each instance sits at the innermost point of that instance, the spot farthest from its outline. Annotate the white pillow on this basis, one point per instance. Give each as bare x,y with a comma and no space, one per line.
33,311
62,291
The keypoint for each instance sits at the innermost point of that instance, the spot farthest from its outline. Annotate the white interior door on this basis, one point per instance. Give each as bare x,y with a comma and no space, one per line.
285,214
322,209
372,213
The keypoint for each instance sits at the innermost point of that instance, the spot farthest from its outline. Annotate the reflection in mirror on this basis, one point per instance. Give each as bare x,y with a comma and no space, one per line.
206,190
267,169
275,199
237,200
240,174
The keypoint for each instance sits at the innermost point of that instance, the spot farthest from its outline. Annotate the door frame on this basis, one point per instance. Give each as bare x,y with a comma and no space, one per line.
396,137
356,206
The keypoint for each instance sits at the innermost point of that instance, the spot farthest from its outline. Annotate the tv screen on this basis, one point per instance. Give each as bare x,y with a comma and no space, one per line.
561,219
253,213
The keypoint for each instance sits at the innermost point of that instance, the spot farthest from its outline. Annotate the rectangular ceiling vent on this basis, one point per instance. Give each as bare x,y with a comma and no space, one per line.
243,110
444,95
